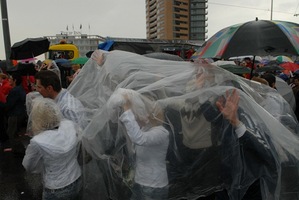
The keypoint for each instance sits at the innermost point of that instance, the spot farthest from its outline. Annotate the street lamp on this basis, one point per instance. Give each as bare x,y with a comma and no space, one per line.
6,34
271,10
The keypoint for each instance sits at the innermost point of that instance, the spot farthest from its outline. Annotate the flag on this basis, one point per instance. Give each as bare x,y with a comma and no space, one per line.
80,26
67,27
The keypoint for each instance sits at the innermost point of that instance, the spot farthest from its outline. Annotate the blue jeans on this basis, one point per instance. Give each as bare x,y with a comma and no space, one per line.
141,192
70,192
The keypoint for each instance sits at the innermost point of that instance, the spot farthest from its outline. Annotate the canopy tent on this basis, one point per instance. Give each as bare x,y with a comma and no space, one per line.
205,156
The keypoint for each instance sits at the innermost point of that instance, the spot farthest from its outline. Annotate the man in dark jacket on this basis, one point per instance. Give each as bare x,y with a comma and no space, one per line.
246,144
16,110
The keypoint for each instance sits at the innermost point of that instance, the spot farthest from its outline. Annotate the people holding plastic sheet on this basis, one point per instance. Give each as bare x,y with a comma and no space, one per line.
240,162
251,147
151,141
241,155
218,133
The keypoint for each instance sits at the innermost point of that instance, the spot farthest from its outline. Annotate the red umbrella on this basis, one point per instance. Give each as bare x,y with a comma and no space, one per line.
290,66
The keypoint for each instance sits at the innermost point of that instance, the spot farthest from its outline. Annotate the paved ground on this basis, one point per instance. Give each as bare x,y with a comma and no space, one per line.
15,183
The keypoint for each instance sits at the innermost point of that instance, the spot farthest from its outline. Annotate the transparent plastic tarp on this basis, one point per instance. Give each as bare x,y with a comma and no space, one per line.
204,156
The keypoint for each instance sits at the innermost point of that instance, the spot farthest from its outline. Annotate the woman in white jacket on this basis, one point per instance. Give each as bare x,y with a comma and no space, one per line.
151,142
53,151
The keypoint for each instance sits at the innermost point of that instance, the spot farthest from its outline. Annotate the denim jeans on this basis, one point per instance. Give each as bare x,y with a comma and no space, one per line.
70,192
141,192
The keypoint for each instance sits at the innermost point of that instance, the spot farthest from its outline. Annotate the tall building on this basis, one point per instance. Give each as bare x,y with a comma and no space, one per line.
176,19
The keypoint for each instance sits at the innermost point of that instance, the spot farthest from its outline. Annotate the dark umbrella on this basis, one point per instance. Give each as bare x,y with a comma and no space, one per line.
259,37
88,54
235,69
29,48
164,56
269,68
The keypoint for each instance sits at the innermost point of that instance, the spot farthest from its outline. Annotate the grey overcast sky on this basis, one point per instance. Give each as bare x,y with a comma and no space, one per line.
125,18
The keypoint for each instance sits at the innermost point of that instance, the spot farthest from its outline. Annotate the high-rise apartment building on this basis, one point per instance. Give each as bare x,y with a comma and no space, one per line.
176,19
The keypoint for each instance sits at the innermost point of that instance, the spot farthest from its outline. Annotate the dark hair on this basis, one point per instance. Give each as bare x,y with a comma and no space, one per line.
49,78
17,76
270,78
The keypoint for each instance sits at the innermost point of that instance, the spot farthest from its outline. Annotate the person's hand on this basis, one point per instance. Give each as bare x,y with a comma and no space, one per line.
229,107
98,57
127,105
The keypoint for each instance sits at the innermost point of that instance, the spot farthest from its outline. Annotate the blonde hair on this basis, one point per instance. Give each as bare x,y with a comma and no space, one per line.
45,115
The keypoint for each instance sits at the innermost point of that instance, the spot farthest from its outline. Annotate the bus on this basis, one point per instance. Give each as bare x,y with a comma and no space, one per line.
63,50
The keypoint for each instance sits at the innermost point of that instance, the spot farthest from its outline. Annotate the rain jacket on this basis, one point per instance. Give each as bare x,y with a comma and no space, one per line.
54,154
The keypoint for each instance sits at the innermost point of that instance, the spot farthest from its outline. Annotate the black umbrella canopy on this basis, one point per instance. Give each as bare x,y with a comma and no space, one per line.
163,56
272,67
235,69
29,48
260,37
88,54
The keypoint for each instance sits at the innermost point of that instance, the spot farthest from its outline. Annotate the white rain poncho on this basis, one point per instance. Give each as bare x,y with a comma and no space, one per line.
205,156
53,150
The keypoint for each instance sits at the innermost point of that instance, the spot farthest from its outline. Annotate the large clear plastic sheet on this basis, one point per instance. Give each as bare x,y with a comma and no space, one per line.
205,155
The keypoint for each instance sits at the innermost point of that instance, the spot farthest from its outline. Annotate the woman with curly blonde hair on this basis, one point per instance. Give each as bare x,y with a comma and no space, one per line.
53,151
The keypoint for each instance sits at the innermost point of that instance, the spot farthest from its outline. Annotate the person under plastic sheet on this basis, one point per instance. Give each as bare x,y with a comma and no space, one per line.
151,140
272,102
253,153
211,140
239,162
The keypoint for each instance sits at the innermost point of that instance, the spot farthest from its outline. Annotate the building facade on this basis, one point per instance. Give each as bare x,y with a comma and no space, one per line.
176,19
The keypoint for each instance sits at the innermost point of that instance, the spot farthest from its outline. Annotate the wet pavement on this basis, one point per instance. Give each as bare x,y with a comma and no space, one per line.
15,182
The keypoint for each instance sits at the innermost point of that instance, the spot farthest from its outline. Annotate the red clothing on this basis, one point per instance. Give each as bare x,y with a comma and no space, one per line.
189,53
28,83
249,65
5,87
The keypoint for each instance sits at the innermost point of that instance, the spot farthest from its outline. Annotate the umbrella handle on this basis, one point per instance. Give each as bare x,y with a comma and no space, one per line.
252,67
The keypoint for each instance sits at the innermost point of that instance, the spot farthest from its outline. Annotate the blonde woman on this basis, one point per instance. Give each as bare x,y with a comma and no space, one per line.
53,151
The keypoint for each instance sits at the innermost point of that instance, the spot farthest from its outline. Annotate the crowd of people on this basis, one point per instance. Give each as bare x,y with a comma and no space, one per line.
269,77
34,104
138,128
